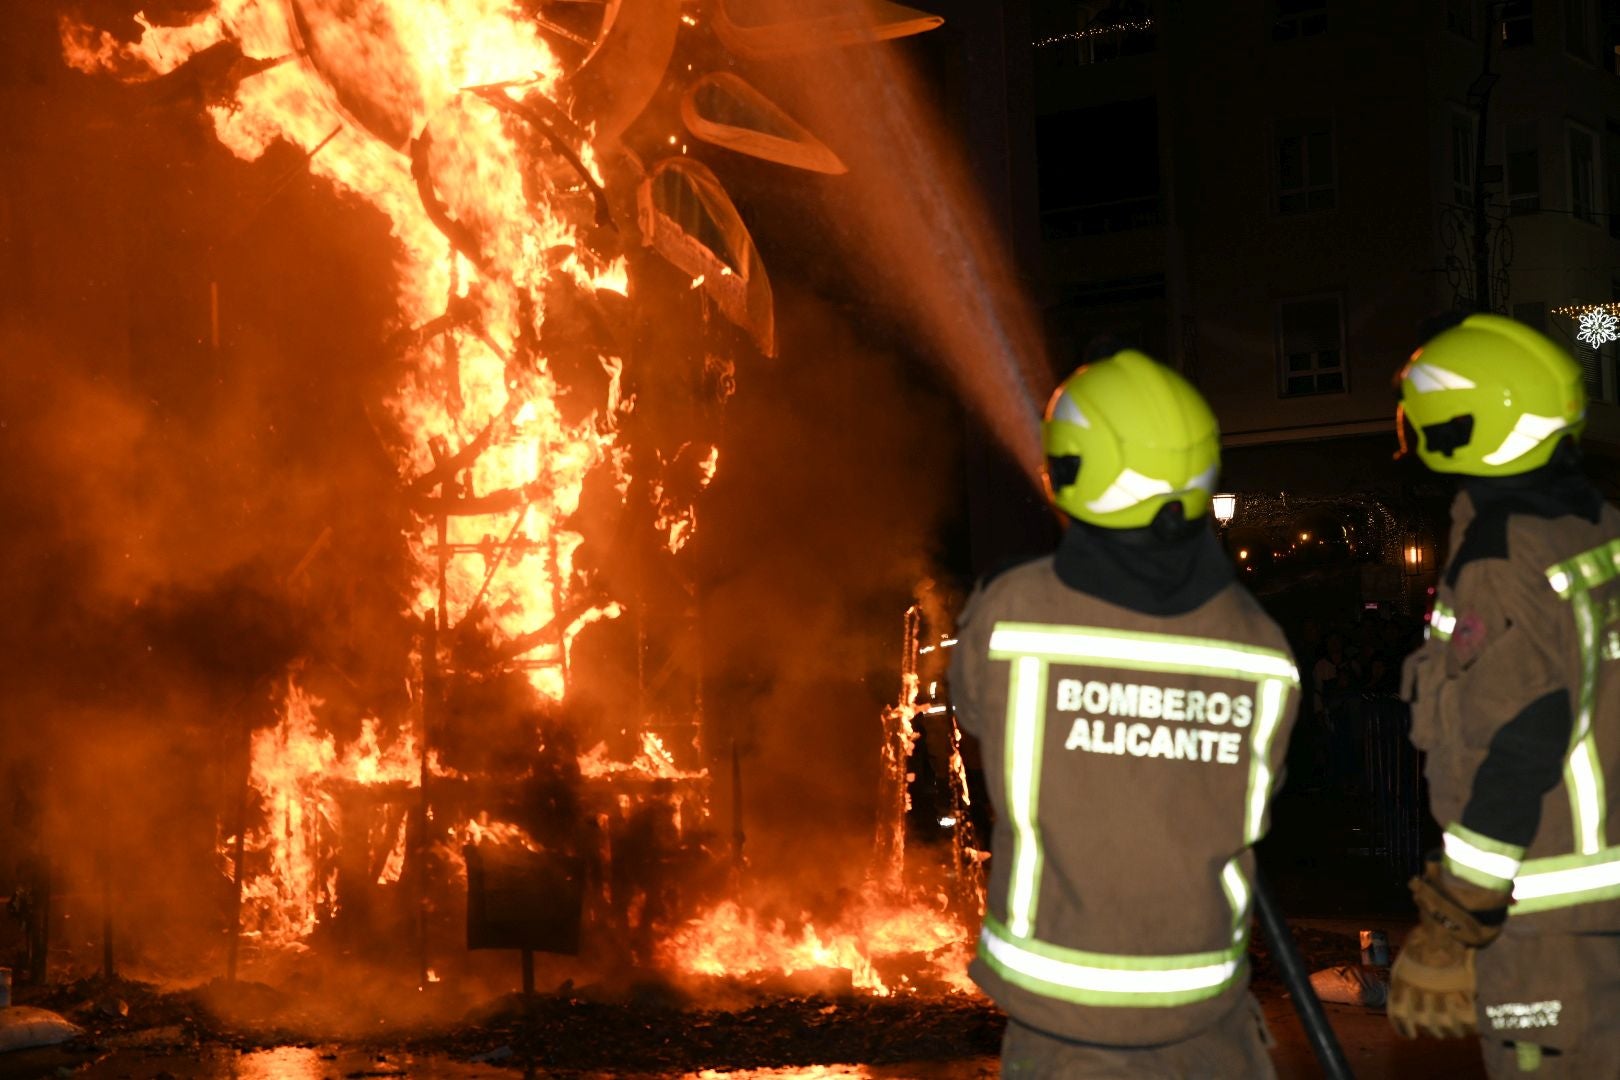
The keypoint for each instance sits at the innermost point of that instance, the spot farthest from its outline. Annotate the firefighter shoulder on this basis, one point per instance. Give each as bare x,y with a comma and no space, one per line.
1130,753
1515,697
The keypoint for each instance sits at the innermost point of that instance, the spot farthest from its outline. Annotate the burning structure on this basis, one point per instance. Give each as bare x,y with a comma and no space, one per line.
572,293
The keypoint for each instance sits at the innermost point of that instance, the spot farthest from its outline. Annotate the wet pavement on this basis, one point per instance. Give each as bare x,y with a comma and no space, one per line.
178,1036
1371,1048
338,1063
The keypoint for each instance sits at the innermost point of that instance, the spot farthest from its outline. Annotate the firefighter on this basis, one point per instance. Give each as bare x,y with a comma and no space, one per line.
1132,704
1515,697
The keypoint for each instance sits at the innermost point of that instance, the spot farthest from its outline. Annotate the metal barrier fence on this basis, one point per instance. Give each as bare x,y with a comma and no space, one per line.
1397,800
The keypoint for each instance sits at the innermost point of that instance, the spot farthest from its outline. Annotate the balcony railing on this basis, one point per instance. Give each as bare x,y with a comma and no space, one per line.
1095,219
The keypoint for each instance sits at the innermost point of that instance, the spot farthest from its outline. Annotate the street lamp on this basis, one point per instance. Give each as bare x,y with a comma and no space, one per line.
1225,508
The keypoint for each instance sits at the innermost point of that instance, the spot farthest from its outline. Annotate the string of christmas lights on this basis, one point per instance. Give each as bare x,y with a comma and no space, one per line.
1132,26
1575,311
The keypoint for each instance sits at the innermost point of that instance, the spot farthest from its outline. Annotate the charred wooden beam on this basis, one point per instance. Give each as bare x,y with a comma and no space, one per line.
460,237
497,96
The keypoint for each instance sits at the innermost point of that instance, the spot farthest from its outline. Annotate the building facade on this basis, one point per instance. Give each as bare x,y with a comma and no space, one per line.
1276,196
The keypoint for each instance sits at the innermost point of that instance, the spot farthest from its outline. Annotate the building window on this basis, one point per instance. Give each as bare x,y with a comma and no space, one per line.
1460,18
1582,175
1310,346
1518,24
1079,198
1523,169
1533,313
1305,175
1580,29
1298,19
1462,159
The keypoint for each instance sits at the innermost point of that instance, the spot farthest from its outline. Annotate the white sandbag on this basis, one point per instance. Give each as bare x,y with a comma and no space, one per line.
23,1026
1350,985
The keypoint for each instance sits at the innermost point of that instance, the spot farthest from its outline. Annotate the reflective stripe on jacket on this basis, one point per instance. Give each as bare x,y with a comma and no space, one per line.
1534,619
1130,760
1590,584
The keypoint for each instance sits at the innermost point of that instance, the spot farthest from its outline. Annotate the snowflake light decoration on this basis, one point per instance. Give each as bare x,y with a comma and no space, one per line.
1598,327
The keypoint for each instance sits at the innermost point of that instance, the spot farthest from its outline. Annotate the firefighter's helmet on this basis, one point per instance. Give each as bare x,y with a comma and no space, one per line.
1125,436
1490,397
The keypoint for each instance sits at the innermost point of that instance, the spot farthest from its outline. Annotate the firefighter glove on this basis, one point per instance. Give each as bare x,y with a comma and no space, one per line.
1431,990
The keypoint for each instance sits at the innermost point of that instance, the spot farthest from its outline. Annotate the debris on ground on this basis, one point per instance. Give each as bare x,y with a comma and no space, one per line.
1351,984
645,1026
23,1027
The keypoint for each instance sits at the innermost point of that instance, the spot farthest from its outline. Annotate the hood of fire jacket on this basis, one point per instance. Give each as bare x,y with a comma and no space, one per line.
1557,488
1168,568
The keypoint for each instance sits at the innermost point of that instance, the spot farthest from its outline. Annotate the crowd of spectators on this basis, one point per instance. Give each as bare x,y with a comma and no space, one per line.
1350,672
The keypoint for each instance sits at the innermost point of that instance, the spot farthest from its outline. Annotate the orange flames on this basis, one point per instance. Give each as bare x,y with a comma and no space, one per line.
731,941
421,61
466,385
655,762
297,772
414,107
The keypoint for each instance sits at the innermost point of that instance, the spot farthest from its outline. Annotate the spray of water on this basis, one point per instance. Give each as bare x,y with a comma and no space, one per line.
915,224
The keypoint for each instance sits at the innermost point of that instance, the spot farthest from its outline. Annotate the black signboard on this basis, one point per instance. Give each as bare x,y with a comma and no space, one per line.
521,899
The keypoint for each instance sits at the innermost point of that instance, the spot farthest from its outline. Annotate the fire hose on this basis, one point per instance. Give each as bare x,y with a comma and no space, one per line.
1286,955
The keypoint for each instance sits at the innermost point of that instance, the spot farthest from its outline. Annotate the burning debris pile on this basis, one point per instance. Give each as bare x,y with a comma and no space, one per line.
574,291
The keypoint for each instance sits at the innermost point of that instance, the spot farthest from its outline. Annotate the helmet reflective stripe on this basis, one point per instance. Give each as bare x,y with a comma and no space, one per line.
1426,378
1129,488
1107,978
1064,409
1272,692
1205,481
1529,432
1475,857
1026,723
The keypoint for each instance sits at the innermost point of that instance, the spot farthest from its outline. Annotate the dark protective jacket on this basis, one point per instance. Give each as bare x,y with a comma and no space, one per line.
1131,758
1516,699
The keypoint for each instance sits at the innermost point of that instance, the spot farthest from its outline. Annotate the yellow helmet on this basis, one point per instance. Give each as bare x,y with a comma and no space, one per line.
1491,397
1124,437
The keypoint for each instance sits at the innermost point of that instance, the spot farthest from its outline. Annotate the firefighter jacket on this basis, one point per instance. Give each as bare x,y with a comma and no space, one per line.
1515,697
1130,758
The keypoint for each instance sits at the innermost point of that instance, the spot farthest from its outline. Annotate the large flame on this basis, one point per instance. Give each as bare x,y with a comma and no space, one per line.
476,379
474,382
484,233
